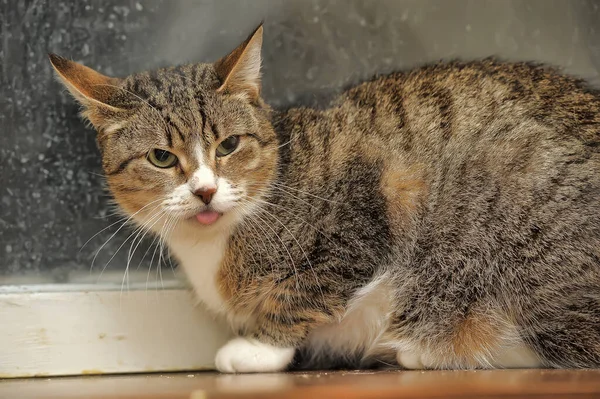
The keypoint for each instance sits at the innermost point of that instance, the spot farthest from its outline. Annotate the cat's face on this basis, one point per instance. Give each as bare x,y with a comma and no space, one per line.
207,164
182,148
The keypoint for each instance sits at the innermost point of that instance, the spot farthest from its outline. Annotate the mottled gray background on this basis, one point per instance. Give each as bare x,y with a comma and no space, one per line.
51,195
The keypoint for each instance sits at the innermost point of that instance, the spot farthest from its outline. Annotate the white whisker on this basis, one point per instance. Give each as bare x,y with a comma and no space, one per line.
283,245
119,229
283,186
143,228
299,245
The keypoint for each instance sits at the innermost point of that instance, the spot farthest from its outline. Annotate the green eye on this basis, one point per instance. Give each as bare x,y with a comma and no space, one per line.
162,158
228,145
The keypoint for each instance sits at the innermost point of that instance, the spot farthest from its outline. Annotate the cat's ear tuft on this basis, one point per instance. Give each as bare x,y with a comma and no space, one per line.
99,94
87,86
239,71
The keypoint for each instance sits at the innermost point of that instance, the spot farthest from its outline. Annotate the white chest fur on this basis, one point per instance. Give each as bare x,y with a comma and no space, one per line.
201,261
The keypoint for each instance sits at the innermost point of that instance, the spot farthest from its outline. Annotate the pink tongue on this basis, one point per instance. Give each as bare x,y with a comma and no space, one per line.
207,217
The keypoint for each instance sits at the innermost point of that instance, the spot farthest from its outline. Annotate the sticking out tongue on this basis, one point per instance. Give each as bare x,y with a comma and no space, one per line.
207,217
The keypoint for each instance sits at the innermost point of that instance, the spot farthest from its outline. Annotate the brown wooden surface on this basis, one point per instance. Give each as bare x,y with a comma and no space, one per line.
315,385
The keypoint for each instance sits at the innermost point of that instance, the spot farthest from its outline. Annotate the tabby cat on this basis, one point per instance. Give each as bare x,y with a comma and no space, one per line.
445,217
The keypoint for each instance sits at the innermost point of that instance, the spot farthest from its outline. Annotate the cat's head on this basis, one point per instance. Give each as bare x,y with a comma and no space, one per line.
190,146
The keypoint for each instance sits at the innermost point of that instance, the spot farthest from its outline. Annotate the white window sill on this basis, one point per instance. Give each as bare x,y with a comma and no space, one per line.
74,329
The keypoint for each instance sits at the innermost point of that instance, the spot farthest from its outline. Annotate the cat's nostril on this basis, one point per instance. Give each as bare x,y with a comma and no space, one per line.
205,194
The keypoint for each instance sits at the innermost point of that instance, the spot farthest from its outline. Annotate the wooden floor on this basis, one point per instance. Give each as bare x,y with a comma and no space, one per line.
316,385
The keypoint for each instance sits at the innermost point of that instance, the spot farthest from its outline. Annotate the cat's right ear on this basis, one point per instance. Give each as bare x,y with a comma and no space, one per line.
97,93
239,71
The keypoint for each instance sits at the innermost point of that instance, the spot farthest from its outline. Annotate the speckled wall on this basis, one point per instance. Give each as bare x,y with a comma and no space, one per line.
51,195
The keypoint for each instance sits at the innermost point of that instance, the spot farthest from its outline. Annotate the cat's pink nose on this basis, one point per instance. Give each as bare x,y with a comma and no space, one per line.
205,193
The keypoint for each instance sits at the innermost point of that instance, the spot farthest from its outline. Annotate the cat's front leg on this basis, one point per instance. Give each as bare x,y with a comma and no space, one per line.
270,344
280,322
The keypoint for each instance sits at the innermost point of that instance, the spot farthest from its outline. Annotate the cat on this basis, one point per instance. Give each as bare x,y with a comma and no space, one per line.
446,217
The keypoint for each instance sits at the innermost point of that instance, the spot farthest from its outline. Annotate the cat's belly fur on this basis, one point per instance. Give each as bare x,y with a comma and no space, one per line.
361,336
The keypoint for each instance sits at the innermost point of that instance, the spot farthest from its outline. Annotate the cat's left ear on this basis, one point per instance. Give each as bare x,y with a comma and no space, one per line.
239,71
100,95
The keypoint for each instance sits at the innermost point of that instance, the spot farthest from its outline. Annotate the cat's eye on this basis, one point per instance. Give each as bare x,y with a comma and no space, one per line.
228,145
162,158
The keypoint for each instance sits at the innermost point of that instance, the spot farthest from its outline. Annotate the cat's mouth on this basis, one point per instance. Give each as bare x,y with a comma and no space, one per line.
208,217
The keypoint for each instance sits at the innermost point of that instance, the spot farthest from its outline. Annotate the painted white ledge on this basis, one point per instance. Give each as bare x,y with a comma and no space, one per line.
74,329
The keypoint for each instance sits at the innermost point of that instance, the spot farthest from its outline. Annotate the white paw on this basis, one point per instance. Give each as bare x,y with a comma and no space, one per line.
516,357
416,360
410,360
243,355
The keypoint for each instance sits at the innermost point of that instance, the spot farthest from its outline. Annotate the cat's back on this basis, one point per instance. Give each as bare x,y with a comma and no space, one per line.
450,111
457,99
